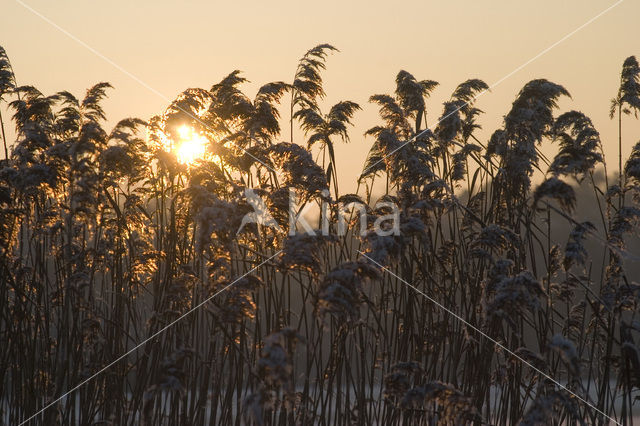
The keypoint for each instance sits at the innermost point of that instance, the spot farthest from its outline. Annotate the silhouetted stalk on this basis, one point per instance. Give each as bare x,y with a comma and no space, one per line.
4,138
620,170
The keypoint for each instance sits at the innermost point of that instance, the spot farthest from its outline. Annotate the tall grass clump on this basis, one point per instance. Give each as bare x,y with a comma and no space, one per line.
507,294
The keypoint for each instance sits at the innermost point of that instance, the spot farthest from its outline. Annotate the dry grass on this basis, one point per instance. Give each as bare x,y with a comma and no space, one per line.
105,238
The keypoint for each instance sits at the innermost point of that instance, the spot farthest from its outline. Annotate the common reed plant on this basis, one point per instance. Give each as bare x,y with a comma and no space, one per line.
496,302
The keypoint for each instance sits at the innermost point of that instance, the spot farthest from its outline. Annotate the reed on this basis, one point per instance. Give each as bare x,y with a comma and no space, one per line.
494,293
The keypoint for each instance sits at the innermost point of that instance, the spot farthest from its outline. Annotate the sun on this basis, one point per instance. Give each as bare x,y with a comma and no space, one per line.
191,146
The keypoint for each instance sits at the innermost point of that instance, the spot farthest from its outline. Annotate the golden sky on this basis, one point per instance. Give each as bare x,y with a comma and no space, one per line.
171,46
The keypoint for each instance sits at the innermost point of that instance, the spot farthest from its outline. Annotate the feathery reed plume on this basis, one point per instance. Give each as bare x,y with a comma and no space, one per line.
238,303
632,172
302,251
7,86
548,407
459,161
625,221
499,271
495,237
307,82
632,166
567,351
559,191
530,119
170,381
220,218
449,125
513,295
244,121
628,98
531,357
382,249
575,321
459,114
7,78
580,145
453,406
400,380
413,162
298,168
323,127
393,115
627,101
339,293
412,94
575,252
275,365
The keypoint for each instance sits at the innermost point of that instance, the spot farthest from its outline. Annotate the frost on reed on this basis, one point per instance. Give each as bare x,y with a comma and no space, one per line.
567,351
275,370
559,191
575,252
339,294
441,401
303,252
580,146
547,407
513,295
298,168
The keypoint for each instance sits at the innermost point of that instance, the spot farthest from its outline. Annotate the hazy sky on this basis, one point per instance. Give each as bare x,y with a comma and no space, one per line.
171,46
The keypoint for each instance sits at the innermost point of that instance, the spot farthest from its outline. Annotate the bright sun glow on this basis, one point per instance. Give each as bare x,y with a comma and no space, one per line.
191,146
